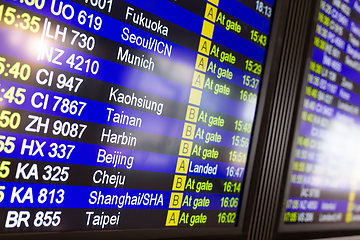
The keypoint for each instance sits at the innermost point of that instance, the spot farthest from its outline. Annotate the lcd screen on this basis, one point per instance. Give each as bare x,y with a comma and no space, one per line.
127,114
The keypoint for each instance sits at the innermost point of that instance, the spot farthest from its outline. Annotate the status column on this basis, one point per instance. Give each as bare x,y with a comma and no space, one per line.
174,216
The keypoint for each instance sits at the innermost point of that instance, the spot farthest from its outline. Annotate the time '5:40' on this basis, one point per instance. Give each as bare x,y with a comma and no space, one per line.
16,70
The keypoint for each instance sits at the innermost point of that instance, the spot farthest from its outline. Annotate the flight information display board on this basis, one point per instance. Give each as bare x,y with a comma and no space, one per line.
127,114
324,180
